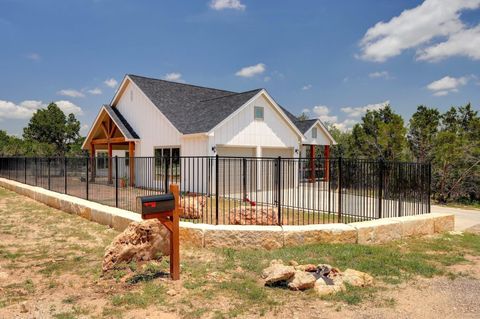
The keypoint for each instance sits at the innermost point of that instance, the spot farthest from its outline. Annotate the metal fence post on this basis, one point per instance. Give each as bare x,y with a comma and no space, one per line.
279,190
116,181
216,188
48,163
167,161
244,178
86,177
340,179
381,174
36,171
25,164
65,173
429,191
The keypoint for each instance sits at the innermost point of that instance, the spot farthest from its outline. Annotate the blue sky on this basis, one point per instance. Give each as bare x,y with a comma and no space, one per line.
334,59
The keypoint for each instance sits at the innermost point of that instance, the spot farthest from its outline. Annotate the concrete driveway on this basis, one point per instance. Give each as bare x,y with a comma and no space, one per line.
464,218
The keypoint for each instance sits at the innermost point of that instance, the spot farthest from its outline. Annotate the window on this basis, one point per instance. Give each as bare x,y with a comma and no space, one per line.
314,132
127,158
167,160
258,113
102,160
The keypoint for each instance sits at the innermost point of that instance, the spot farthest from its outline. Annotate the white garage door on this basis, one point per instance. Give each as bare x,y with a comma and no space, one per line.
234,173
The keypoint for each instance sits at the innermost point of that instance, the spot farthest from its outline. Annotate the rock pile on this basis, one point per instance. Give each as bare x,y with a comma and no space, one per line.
324,278
253,215
193,206
140,241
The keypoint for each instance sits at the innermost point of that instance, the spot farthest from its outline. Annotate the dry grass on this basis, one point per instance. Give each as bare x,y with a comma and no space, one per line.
53,262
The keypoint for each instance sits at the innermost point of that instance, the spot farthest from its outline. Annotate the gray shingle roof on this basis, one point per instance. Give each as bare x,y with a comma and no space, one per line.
194,109
302,126
121,122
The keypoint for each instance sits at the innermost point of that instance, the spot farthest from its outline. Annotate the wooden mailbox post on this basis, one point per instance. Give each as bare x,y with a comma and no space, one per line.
166,208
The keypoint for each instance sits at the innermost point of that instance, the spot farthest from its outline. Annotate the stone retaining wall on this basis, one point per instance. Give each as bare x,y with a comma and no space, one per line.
236,236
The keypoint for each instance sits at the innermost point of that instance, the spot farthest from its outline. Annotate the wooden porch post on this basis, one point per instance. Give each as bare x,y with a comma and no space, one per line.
312,163
110,153
131,153
92,158
327,162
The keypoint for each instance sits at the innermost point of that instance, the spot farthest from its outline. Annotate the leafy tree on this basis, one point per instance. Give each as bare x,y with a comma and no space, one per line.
381,134
423,130
456,162
51,126
303,116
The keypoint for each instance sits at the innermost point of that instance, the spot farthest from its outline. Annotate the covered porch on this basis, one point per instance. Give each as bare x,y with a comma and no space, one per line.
111,136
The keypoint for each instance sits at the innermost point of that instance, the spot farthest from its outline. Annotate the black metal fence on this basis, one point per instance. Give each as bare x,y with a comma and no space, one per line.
240,190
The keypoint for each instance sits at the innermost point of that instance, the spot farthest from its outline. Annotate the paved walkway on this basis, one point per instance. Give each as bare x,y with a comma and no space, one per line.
464,218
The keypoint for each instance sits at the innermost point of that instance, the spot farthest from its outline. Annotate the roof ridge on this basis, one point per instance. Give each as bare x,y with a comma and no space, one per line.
228,95
179,83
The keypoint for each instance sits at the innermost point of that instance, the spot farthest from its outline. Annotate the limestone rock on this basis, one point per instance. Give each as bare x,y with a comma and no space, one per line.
302,280
193,206
323,288
307,268
253,215
277,272
357,278
141,241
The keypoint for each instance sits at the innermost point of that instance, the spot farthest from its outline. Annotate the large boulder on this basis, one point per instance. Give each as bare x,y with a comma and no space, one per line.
193,206
277,272
302,280
140,241
253,215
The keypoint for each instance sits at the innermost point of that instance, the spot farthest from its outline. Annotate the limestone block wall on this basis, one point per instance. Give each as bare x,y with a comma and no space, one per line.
263,237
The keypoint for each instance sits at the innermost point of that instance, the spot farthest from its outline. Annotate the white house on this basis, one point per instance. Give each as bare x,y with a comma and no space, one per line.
152,118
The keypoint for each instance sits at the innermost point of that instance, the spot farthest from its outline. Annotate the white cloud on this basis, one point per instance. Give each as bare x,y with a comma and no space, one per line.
323,113
267,78
68,107
465,43
227,4
447,85
112,83
360,110
174,77
84,129
419,27
71,93
34,56
306,87
380,74
249,71
345,125
25,109
95,91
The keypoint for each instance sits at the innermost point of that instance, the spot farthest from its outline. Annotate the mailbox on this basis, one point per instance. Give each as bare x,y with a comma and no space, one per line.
166,208
156,204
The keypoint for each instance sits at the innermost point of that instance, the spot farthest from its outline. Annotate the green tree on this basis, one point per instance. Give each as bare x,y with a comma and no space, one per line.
303,116
381,134
456,161
51,126
423,130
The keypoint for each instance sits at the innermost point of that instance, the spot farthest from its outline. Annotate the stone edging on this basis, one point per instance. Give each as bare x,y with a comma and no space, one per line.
235,236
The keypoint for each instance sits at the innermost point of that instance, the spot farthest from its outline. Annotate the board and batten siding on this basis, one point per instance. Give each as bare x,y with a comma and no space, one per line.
149,123
243,130
322,138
